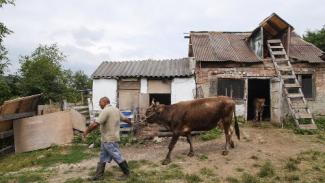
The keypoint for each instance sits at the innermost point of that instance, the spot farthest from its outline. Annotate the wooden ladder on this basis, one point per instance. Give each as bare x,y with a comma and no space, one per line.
295,98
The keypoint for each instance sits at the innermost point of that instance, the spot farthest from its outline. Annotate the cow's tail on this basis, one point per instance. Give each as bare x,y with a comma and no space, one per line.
237,131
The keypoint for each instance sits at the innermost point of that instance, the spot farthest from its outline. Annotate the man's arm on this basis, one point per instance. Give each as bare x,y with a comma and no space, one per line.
126,120
90,128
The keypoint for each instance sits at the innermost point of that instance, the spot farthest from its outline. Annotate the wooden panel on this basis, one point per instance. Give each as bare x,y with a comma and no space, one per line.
78,120
5,125
128,85
42,131
159,86
128,99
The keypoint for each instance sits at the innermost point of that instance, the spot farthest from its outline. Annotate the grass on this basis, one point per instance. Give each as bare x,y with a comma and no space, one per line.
192,178
207,172
248,178
203,157
292,164
28,176
267,170
45,157
212,134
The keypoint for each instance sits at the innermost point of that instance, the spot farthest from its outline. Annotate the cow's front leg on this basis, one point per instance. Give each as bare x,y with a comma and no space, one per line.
256,115
171,146
189,140
261,115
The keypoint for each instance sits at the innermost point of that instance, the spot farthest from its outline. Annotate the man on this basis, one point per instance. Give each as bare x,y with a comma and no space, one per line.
109,122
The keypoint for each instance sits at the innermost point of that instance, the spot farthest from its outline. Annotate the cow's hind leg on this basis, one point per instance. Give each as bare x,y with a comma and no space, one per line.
189,140
171,146
231,142
227,136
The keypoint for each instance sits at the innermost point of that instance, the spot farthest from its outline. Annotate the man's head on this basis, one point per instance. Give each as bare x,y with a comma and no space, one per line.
103,102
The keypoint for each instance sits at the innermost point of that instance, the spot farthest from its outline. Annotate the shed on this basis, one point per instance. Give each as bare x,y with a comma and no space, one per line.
132,85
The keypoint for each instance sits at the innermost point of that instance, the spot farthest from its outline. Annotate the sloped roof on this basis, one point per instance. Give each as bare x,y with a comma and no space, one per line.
222,46
144,68
302,50
232,46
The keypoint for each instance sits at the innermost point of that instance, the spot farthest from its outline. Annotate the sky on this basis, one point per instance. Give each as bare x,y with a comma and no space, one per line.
91,31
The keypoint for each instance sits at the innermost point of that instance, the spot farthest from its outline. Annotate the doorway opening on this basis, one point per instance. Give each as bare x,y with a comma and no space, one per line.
161,98
258,88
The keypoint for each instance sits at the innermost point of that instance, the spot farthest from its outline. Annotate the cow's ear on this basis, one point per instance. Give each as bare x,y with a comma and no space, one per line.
153,102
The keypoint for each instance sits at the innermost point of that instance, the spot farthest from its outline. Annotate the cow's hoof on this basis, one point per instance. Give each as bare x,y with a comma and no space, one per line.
190,154
165,162
232,144
225,152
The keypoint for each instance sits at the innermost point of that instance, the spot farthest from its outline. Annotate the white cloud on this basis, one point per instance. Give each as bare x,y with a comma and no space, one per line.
91,31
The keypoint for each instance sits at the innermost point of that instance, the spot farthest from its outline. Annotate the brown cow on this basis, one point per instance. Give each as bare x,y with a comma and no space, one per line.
195,115
259,104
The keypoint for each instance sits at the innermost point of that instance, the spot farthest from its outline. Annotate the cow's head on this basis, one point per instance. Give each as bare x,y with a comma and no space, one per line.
153,112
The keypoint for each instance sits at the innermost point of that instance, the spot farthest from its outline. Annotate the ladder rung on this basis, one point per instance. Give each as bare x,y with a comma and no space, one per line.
303,116
285,68
281,60
295,85
298,95
299,106
274,41
276,47
288,77
308,126
278,53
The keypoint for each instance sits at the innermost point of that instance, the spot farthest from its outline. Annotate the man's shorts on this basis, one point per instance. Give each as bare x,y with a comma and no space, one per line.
110,151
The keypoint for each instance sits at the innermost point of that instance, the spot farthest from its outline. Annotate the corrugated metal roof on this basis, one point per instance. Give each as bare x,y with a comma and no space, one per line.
232,46
144,68
303,51
222,46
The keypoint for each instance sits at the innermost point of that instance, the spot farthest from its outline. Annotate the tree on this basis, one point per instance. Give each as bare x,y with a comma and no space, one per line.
42,72
316,37
81,81
4,31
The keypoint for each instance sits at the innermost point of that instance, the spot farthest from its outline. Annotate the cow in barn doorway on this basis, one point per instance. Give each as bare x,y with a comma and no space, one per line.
196,115
259,104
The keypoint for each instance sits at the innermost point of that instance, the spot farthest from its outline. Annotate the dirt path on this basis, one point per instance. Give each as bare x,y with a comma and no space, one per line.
256,146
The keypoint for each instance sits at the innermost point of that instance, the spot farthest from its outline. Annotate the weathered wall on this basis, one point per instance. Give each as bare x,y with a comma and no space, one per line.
182,89
143,85
279,108
205,72
104,87
317,105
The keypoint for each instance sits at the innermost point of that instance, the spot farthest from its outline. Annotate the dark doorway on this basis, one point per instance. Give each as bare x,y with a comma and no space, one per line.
161,98
258,88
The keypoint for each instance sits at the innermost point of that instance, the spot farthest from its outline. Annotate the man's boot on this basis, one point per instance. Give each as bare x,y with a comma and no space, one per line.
125,169
99,172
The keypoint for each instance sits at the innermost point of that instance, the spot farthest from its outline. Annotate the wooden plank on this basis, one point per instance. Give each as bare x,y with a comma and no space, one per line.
6,134
40,132
304,116
7,149
288,77
278,52
274,41
295,85
308,126
295,95
16,116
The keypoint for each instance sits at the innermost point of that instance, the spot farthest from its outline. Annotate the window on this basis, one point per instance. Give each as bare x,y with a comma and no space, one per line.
229,87
307,86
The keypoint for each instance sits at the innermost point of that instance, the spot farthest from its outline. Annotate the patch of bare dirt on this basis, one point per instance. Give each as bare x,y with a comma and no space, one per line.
256,146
